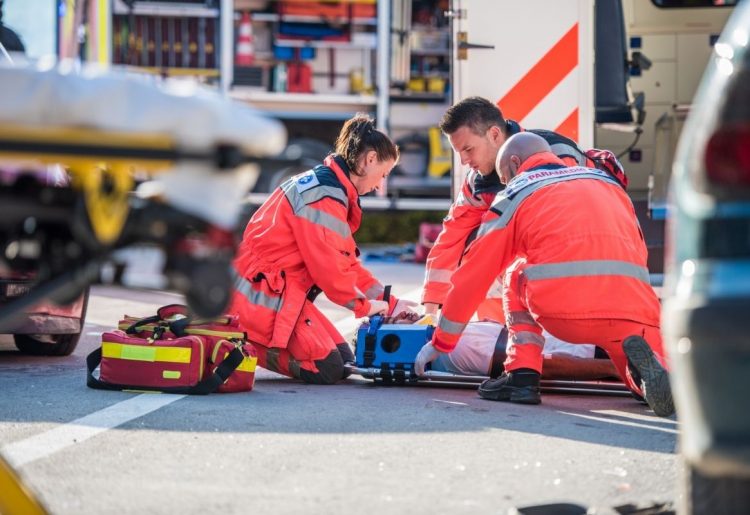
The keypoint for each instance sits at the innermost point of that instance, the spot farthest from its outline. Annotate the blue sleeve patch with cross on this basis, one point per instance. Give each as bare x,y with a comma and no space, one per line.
306,181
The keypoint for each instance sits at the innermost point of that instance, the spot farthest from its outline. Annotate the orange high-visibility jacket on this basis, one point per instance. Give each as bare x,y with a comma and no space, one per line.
301,237
578,232
459,227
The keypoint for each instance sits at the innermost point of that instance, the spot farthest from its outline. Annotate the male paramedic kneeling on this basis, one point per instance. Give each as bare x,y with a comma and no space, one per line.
300,243
476,130
575,263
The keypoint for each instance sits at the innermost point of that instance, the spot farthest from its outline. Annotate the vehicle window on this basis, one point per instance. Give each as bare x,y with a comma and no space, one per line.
35,22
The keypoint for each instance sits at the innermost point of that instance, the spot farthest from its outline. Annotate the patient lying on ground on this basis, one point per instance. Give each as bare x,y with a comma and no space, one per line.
481,351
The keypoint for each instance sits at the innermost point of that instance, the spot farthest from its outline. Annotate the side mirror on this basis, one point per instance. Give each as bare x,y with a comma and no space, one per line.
639,62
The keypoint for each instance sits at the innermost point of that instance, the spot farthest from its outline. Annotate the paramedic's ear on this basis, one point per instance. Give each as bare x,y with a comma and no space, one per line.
496,134
502,165
513,165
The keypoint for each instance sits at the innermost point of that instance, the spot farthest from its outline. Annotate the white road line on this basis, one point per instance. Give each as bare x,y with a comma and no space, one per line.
645,417
44,444
623,422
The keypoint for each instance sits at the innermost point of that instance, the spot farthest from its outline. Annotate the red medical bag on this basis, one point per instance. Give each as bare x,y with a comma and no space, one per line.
173,352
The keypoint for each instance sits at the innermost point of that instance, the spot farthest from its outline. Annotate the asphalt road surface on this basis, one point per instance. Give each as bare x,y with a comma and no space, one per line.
287,447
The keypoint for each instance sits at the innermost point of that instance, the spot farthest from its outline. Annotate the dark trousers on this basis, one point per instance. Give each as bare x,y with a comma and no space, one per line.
329,369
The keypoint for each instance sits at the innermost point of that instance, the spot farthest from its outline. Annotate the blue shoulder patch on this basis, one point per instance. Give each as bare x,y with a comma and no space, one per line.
305,181
324,178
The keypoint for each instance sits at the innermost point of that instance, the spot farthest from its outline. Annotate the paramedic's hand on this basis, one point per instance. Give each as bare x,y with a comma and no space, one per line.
430,308
377,307
427,354
404,306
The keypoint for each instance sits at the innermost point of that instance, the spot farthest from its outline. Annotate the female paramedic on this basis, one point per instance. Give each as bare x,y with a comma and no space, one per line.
300,243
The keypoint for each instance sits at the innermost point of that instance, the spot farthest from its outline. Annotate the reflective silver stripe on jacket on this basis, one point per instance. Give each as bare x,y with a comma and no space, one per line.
297,199
374,291
507,206
521,318
300,201
495,291
586,269
449,326
563,149
463,200
254,296
527,338
438,275
359,296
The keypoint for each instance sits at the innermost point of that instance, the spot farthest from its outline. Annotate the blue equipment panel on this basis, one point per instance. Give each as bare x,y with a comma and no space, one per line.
390,346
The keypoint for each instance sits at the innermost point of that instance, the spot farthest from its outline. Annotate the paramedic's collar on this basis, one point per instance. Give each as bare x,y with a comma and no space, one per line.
541,167
342,164
342,171
487,183
491,183
512,127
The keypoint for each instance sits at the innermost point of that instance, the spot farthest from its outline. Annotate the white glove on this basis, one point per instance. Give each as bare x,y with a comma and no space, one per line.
427,354
377,307
430,308
404,306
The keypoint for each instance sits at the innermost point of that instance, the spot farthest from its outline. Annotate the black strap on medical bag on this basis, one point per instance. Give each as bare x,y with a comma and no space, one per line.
371,337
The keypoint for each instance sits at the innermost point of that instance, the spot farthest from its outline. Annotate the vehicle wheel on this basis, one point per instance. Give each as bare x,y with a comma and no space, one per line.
309,152
268,182
210,288
715,495
52,344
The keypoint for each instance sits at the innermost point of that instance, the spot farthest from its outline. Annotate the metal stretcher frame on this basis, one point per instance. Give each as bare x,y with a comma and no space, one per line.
434,378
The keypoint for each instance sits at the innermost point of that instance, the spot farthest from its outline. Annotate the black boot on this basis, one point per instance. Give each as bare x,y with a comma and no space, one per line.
520,385
648,373
347,356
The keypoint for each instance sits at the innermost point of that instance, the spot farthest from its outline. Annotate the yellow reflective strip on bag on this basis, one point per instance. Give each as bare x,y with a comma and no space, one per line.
143,353
203,356
215,350
248,364
171,374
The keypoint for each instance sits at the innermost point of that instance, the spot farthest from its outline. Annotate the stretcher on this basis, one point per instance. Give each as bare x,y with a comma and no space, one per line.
200,153
385,354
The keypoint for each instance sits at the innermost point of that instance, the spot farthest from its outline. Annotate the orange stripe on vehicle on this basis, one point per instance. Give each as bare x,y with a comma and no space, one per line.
538,82
569,126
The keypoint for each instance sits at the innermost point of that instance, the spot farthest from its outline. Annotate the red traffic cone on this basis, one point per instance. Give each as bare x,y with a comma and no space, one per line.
245,49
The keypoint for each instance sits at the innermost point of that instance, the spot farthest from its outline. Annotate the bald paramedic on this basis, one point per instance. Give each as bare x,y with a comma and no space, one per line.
575,264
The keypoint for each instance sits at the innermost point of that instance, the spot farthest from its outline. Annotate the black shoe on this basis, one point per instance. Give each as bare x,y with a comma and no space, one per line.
648,373
520,386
